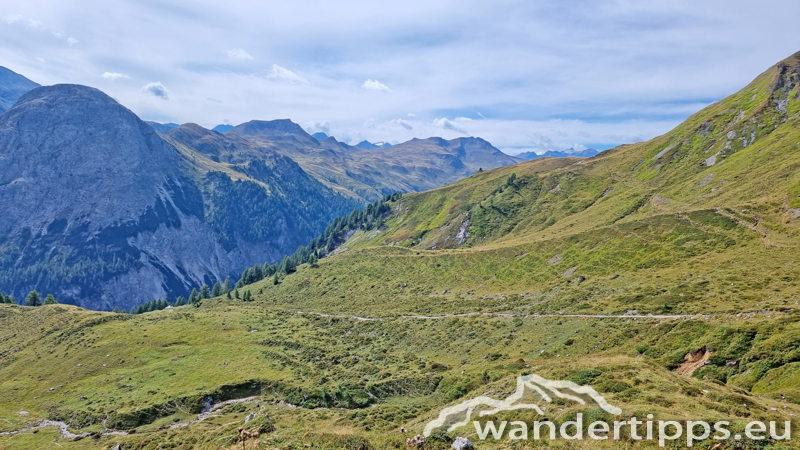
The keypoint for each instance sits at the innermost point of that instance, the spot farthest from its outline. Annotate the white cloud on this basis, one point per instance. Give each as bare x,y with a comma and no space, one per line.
19,18
447,124
72,41
318,127
13,18
41,60
239,54
113,76
403,123
156,89
653,63
282,74
375,85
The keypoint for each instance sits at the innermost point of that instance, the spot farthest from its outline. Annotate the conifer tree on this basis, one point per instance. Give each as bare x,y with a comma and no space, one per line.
216,290
227,286
194,297
33,299
50,300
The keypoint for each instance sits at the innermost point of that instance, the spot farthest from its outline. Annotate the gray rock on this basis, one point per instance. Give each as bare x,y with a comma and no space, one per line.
461,443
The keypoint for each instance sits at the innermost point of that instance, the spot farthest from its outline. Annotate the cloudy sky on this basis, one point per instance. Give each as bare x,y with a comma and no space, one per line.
525,75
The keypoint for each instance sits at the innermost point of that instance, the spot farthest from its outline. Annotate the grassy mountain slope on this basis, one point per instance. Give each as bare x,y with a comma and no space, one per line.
606,271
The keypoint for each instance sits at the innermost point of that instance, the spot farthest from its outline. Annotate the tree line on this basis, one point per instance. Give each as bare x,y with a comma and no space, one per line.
370,218
32,299
195,297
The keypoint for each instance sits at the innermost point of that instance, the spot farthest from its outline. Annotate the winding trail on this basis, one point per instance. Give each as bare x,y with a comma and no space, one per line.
206,414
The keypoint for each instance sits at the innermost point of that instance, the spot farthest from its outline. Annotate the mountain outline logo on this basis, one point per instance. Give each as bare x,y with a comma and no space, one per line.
546,389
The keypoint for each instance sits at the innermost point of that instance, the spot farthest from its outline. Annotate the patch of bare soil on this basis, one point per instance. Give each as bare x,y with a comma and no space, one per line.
693,361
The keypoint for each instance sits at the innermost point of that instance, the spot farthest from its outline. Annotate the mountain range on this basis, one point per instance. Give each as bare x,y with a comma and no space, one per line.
128,211
662,274
370,146
124,215
585,153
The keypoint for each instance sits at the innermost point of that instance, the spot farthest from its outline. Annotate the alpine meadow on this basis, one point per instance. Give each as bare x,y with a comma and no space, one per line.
260,287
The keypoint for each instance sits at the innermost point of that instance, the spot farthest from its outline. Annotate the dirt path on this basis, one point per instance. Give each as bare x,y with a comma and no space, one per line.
66,434
521,316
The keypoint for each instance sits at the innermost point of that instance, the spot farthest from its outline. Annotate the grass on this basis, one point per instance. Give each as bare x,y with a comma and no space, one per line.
528,253
369,376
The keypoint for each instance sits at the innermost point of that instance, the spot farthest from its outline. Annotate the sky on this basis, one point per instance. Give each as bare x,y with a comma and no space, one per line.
524,75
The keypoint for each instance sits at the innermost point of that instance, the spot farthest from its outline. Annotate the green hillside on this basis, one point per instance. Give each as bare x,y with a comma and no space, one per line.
609,271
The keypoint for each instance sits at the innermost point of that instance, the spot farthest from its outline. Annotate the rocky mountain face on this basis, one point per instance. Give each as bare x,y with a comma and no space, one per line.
366,174
102,211
12,86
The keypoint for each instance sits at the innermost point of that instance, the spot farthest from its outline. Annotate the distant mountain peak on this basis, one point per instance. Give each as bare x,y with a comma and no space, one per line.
367,145
12,87
161,127
277,128
320,136
223,128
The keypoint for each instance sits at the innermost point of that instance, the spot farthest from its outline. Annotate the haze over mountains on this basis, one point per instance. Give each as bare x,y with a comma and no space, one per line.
106,210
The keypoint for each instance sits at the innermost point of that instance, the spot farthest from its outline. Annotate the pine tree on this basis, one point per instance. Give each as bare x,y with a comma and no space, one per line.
227,286
229,295
236,294
216,291
288,265
204,291
33,299
116,310
275,280
50,300
194,297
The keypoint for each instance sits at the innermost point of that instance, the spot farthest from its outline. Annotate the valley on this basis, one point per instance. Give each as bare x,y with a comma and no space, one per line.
620,271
